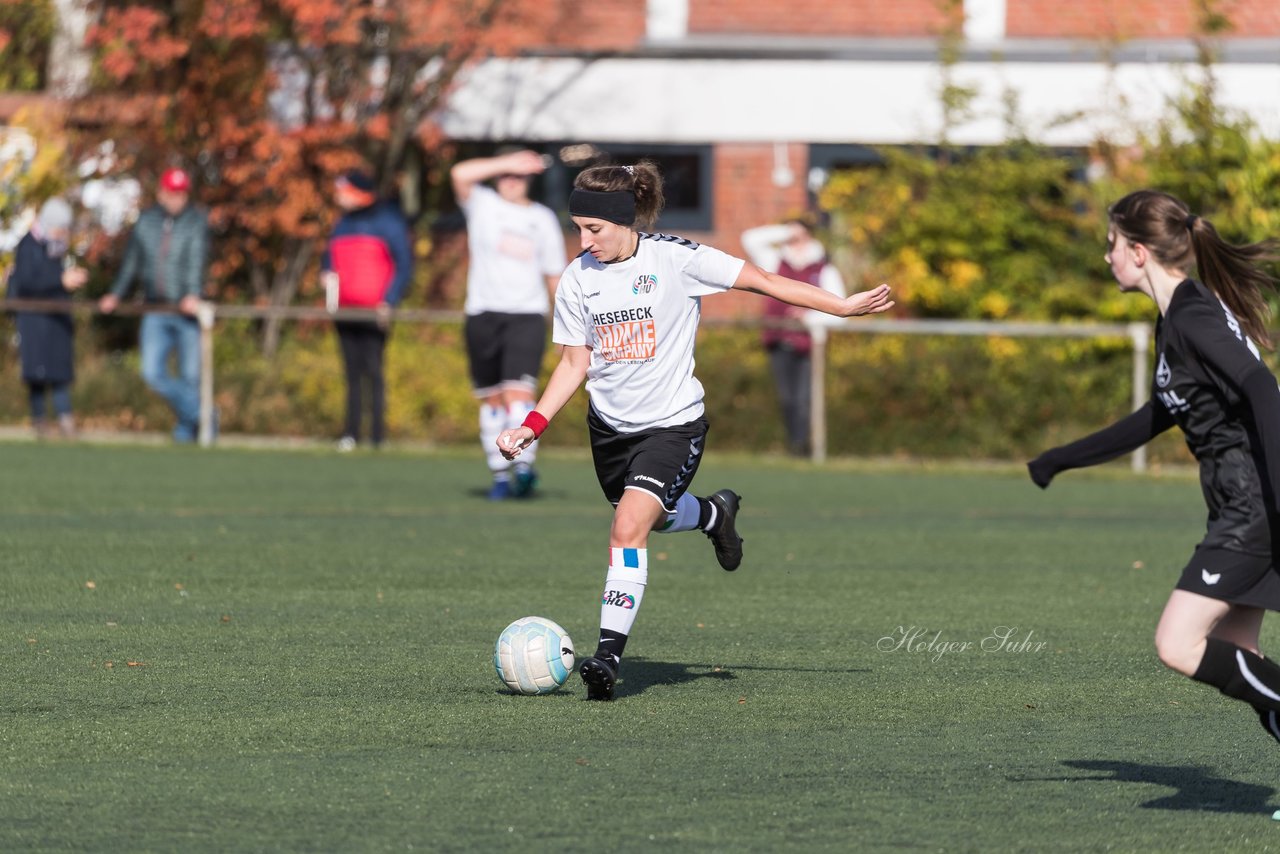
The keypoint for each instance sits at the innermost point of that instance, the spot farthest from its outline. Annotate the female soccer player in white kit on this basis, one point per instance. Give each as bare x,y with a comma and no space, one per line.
626,316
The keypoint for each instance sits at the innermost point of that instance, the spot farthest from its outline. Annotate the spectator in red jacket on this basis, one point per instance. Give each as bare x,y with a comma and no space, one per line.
367,264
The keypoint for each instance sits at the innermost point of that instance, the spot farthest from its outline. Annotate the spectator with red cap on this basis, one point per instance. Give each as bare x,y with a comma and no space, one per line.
366,264
168,253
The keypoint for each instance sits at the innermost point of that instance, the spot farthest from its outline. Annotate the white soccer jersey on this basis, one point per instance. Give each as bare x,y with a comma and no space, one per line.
513,249
640,319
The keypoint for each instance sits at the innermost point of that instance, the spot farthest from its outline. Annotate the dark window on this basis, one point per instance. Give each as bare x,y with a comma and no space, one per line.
686,174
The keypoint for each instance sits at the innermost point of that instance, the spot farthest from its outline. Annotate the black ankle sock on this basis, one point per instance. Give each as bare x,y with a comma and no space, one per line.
1240,674
705,511
611,646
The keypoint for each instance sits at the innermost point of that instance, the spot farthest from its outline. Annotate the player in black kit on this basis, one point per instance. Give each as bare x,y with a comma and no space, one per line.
1211,382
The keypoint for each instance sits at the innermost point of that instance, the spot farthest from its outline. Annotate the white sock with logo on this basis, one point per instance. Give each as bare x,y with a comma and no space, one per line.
493,420
516,414
688,512
623,592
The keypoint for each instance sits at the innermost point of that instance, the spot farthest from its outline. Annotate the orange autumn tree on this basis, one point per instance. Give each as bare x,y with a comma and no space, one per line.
268,100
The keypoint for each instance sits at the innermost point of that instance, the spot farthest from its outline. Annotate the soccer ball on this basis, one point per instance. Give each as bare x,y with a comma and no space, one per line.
533,656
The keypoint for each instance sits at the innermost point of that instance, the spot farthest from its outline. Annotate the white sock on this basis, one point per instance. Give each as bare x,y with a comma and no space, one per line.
685,518
493,420
516,414
623,589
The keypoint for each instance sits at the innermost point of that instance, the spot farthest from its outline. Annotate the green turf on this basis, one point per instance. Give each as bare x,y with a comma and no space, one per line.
312,638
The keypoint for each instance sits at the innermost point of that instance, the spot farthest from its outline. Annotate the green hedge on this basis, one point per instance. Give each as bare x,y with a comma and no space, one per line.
888,395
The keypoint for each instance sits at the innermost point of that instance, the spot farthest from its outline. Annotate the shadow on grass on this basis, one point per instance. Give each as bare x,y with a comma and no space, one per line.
1198,790
539,494
640,674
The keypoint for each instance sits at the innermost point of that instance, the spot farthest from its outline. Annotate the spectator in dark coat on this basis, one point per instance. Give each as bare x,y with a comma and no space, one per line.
41,272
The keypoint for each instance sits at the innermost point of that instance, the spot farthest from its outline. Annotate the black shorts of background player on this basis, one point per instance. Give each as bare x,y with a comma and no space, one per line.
626,314
1211,382
516,252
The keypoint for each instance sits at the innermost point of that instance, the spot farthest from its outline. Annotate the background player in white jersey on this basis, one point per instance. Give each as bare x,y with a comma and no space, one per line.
516,254
626,317
1212,383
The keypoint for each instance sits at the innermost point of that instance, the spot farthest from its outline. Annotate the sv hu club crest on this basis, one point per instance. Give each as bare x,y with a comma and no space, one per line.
644,284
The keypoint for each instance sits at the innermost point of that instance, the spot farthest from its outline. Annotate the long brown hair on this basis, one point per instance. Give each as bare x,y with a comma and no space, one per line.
1182,242
642,180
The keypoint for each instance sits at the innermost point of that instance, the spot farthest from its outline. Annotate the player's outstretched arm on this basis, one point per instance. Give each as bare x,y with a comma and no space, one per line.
803,295
1126,435
564,382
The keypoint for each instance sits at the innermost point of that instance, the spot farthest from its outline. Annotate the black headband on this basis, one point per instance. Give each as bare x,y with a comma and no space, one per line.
616,207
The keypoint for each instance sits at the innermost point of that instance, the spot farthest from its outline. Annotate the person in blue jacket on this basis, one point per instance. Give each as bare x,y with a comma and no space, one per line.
367,264
45,338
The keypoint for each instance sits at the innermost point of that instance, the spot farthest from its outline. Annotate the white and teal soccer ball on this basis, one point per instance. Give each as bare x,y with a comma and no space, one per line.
533,656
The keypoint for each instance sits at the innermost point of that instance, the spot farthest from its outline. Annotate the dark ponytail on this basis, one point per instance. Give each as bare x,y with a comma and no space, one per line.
1181,241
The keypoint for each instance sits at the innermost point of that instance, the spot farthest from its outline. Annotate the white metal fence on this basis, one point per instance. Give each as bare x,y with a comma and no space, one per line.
1139,335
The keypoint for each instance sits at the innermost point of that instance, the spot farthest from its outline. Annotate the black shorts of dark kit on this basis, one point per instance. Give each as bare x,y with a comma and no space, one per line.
1234,577
504,349
661,461
1234,561
363,344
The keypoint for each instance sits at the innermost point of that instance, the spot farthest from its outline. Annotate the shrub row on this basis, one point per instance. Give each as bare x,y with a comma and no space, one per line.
887,395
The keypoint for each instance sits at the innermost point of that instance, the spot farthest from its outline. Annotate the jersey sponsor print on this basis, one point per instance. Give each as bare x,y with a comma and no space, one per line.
626,336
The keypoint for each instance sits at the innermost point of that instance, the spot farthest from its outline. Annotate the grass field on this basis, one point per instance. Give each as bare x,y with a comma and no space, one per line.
254,650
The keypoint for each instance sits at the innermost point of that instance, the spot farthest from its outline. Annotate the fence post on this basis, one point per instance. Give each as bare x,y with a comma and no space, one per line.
818,394
1140,335
205,317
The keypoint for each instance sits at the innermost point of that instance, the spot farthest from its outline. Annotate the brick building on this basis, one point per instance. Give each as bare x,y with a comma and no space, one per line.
748,103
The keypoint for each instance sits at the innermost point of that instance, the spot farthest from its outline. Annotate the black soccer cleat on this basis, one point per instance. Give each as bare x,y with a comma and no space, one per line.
598,675
725,534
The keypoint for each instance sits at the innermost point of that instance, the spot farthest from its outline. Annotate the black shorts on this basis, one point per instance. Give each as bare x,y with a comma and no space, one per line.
1233,577
661,461
505,350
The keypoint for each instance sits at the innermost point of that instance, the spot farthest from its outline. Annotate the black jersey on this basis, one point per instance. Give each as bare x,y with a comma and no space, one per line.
1202,360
